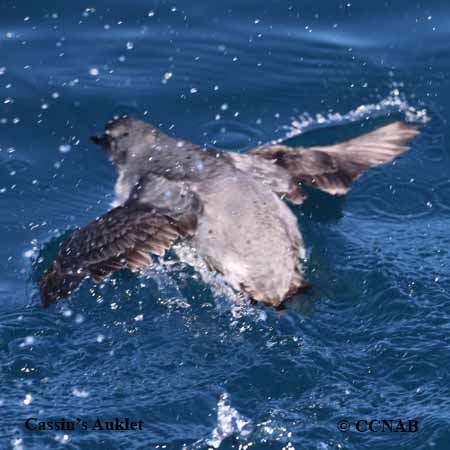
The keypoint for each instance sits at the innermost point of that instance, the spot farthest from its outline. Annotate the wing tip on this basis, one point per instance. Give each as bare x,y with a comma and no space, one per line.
46,287
399,133
55,285
396,139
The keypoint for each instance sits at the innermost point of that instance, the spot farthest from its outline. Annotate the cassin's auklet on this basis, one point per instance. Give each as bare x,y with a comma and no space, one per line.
228,206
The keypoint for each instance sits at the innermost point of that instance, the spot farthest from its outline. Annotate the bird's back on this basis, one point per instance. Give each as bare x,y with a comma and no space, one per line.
249,235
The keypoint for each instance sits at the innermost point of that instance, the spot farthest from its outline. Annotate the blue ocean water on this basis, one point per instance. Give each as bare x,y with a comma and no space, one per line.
370,341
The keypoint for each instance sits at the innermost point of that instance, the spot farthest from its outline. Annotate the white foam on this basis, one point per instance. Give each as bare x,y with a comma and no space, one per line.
229,422
81,393
17,443
27,400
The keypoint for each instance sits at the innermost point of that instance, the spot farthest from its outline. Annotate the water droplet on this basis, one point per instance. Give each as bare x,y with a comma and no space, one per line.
67,313
27,400
81,393
28,254
79,318
65,148
167,76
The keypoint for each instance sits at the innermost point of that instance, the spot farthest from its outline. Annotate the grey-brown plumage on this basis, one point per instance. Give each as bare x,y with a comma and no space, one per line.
227,206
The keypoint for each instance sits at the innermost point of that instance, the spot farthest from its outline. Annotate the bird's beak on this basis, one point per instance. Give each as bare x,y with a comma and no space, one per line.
100,140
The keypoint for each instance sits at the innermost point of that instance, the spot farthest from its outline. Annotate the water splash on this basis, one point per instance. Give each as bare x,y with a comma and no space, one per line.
394,102
17,443
229,422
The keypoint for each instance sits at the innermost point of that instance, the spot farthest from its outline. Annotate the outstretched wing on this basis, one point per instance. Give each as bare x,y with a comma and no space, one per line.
333,168
122,238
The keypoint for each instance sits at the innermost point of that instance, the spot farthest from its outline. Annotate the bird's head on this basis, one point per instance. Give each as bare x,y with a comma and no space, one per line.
127,140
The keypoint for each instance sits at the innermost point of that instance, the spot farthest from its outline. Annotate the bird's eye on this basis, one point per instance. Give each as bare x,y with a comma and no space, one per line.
125,134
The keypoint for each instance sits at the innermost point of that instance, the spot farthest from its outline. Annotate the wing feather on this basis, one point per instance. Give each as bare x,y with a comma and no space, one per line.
334,168
122,238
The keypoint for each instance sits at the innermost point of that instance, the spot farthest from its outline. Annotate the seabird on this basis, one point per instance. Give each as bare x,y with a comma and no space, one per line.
227,206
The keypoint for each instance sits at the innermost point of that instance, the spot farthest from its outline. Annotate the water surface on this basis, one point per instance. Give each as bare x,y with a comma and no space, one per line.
371,339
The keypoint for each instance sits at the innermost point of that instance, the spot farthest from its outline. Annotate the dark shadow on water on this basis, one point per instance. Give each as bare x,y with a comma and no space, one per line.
322,207
304,304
